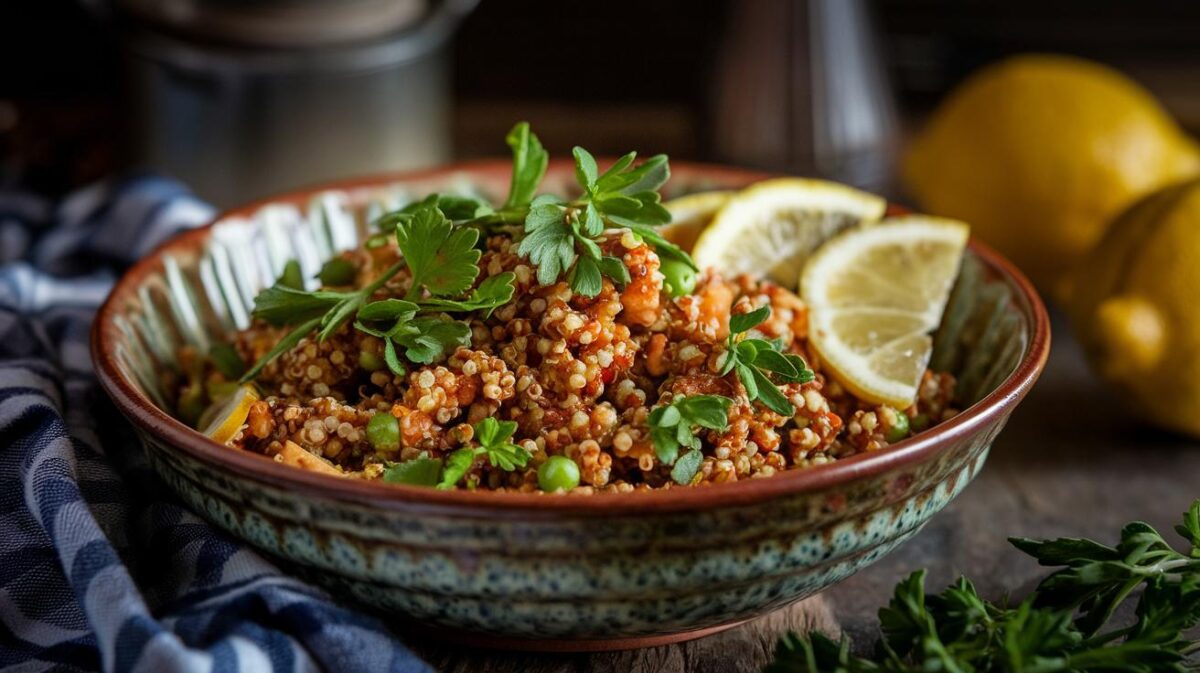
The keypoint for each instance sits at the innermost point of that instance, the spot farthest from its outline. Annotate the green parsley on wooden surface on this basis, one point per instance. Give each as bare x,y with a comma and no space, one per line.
1066,625
756,360
671,427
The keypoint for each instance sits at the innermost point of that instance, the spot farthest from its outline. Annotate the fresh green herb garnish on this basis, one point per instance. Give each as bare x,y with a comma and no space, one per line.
560,236
440,237
529,166
420,339
292,277
493,437
443,263
754,359
671,428
337,271
423,471
1061,627
442,259
494,440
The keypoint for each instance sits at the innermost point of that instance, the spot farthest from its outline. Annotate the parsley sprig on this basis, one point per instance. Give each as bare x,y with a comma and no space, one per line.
443,264
671,427
755,360
560,236
440,237
1063,626
495,443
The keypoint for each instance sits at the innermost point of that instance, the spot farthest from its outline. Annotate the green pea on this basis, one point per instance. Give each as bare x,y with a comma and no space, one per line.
383,431
678,278
899,426
370,361
558,472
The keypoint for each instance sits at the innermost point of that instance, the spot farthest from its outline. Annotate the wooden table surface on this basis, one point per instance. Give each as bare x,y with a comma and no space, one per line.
1070,462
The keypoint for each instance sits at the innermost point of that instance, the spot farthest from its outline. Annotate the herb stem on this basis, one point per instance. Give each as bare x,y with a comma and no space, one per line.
382,280
498,220
1168,566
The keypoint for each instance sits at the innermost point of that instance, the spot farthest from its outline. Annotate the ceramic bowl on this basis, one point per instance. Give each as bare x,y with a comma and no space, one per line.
530,571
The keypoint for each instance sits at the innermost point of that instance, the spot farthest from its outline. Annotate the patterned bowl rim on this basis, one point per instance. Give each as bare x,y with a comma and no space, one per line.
146,416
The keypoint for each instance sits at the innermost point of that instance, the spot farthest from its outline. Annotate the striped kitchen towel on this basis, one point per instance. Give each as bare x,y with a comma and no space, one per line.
100,567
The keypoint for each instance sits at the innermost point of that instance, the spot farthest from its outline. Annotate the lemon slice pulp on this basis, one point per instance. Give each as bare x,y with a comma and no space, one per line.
874,295
223,418
774,225
691,214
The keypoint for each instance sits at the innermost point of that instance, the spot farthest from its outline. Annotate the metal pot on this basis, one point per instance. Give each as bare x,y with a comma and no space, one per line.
241,100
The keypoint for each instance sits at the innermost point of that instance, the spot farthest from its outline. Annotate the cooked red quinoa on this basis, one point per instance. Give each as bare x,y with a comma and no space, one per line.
579,376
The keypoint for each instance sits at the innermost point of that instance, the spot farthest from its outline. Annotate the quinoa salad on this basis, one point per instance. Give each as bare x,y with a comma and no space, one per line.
546,344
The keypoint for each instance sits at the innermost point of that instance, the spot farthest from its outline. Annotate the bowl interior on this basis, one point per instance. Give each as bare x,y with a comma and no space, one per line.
201,286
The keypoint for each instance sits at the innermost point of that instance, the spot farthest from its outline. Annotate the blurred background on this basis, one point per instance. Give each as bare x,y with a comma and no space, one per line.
241,99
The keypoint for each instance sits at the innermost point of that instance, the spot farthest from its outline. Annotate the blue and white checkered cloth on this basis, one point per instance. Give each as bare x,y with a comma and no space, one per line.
100,566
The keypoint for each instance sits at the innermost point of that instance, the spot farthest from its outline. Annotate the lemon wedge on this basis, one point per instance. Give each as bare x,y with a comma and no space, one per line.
874,294
691,214
223,418
774,225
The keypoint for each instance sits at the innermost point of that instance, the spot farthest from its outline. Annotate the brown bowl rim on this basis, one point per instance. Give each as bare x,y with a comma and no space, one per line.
923,446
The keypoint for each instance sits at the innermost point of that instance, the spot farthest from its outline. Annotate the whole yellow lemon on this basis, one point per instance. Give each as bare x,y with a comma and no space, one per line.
1134,307
1038,153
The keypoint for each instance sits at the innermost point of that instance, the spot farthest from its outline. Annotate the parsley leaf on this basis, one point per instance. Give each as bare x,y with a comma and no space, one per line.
687,466
282,305
549,242
744,322
458,463
292,277
494,439
337,271
422,471
459,209
754,358
585,277
427,339
491,294
494,442
671,428
560,237
614,269
529,165
441,258
1190,528
586,171
1063,626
